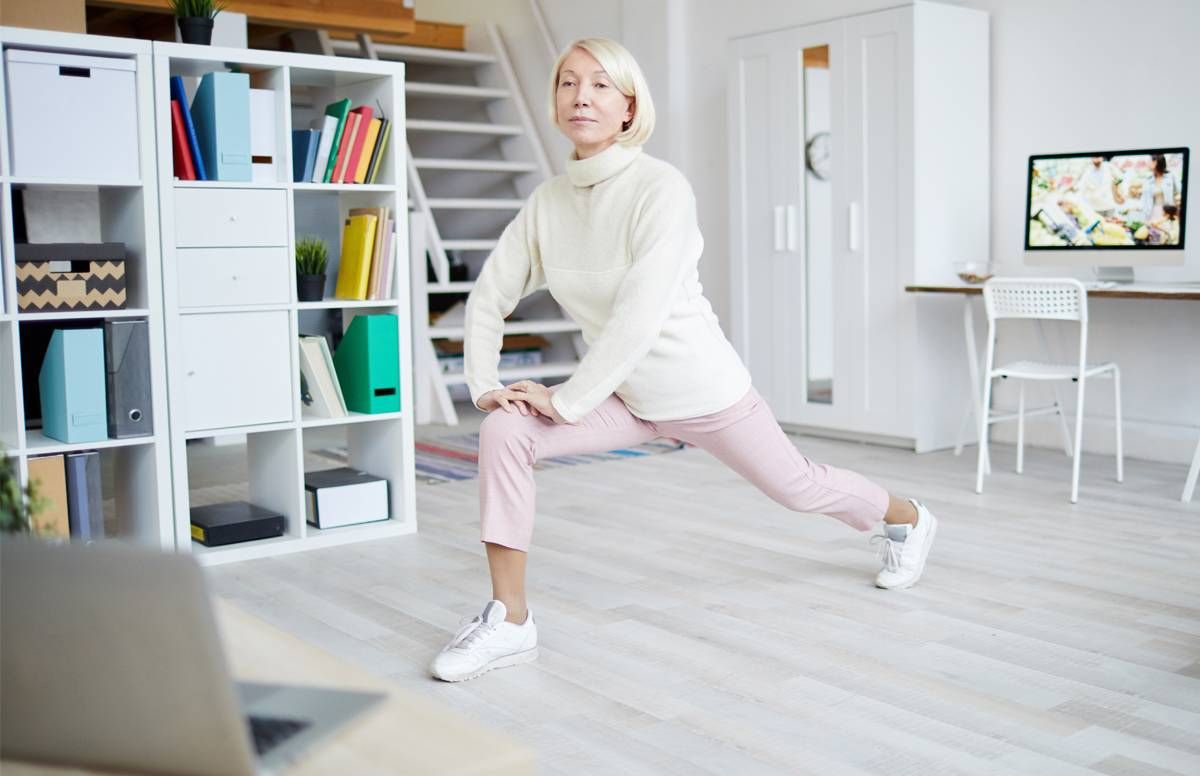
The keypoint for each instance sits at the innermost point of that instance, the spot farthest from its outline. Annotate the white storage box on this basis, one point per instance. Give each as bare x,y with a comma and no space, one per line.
72,116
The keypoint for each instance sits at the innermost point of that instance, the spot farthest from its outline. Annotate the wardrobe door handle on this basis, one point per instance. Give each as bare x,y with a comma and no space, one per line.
779,228
791,228
853,227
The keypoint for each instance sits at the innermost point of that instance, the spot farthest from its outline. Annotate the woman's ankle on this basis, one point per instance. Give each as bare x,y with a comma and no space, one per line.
900,511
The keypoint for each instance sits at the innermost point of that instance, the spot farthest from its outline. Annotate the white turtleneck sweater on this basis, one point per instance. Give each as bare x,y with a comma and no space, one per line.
617,243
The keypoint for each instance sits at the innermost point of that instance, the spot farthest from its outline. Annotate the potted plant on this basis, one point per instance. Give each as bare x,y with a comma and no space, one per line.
17,507
195,18
311,257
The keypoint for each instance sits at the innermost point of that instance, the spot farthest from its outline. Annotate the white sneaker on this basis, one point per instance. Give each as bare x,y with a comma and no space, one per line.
486,642
904,549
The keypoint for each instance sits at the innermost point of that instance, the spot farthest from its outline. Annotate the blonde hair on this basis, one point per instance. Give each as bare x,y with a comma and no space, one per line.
623,69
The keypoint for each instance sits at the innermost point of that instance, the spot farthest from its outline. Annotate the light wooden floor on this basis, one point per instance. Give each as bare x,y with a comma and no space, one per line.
690,625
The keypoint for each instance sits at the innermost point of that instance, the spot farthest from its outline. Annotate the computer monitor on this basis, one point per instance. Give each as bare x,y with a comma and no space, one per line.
1109,209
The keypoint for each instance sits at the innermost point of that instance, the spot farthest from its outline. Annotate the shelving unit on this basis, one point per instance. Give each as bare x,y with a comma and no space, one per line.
234,368
138,489
476,157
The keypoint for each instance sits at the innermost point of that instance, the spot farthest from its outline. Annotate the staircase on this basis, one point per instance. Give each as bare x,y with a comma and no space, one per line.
474,157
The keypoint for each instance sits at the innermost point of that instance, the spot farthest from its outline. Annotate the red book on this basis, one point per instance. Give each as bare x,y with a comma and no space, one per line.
348,135
184,169
364,121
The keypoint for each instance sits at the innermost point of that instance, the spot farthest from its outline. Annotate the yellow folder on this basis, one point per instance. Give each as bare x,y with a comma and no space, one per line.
354,270
368,149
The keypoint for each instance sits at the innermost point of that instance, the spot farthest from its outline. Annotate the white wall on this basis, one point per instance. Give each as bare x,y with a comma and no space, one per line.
1069,74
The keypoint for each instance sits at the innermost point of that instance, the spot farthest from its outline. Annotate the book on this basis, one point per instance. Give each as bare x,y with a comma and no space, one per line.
339,110
49,477
381,215
323,390
357,142
343,154
368,150
326,126
385,285
181,153
354,264
385,132
304,153
179,93
84,509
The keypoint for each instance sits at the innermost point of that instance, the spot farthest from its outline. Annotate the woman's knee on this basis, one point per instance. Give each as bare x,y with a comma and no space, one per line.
502,430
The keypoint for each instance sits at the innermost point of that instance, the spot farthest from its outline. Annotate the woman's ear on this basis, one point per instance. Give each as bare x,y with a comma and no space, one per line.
630,112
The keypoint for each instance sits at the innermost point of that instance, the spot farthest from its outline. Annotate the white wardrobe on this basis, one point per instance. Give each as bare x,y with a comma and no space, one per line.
859,165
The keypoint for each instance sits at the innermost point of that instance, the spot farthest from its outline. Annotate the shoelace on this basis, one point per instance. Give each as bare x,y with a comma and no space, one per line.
473,631
889,551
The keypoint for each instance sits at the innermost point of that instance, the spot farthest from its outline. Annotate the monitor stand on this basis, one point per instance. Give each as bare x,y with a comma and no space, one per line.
1114,274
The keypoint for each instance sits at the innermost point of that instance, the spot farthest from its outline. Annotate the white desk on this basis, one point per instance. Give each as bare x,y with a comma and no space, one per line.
1190,292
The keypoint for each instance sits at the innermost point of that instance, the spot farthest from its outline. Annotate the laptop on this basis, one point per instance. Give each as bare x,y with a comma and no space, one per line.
110,658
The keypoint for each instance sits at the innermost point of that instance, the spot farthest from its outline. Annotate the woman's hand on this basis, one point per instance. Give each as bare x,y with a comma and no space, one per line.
506,399
538,398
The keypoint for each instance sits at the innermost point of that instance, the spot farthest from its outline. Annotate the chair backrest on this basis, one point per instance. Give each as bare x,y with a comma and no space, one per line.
1062,299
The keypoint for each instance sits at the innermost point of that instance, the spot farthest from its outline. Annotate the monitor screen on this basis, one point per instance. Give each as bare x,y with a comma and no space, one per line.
1111,200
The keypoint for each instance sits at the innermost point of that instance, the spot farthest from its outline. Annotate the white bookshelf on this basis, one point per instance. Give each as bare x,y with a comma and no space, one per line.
277,439
140,482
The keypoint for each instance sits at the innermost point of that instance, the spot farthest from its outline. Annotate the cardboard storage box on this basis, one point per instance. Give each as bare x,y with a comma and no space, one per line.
58,277
72,116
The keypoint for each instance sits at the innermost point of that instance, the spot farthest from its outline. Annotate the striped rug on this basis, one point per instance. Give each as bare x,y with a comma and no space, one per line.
455,457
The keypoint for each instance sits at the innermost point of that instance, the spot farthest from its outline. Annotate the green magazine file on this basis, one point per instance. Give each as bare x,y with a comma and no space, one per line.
368,364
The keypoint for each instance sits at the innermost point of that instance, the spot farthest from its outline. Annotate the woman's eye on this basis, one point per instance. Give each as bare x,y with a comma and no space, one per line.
602,86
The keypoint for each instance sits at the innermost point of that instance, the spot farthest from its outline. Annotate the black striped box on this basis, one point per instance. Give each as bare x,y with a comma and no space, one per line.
60,277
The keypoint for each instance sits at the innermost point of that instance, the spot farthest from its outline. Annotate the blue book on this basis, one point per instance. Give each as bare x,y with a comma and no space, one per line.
85,508
178,93
304,153
71,386
221,112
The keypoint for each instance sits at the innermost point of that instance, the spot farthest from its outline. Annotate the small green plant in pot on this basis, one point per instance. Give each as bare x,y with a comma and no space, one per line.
195,19
18,506
311,258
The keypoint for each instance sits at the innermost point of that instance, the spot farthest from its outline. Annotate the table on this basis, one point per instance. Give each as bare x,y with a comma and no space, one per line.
405,734
1163,291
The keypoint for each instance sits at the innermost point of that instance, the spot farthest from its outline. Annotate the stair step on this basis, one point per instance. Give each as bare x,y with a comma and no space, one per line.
475,165
552,369
455,91
469,245
456,287
475,204
432,56
510,327
472,127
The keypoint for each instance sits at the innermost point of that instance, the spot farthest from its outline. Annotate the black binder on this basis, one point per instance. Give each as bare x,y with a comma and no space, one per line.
127,378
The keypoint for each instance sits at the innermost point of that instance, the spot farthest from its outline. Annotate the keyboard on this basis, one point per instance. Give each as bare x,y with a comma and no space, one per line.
270,732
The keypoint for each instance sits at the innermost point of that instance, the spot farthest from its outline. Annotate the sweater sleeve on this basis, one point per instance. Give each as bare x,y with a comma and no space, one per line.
665,245
511,272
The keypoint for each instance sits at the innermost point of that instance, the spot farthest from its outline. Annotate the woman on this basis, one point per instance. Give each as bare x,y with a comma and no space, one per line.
616,241
1164,188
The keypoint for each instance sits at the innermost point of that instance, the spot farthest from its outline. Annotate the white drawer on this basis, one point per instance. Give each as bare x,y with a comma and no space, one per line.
233,276
217,218
237,369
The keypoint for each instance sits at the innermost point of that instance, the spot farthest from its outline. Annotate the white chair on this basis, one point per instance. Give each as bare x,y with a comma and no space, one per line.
1060,299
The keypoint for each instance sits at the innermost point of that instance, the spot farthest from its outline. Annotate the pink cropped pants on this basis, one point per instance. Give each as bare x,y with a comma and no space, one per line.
745,437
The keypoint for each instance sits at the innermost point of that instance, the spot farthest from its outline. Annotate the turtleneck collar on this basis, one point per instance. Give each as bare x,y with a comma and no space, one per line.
598,167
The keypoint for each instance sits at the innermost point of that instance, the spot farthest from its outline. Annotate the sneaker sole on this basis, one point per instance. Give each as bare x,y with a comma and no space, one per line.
920,568
515,659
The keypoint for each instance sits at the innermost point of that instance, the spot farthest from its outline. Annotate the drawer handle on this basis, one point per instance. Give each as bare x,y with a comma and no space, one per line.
235,277
191,373
233,218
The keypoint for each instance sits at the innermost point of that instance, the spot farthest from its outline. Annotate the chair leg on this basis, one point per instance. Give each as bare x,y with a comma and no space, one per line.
1078,457
1117,422
1062,421
1189,487
1021,428
983,431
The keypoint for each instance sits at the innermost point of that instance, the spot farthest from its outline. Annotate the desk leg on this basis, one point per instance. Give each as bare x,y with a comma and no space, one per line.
1189,487
976,383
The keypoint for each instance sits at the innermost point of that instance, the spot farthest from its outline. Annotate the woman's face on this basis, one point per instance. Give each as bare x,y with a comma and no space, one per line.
590,108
